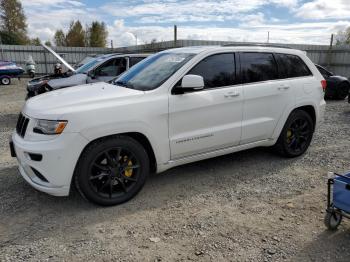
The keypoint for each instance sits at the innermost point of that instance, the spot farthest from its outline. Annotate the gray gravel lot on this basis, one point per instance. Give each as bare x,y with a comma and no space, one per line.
247,206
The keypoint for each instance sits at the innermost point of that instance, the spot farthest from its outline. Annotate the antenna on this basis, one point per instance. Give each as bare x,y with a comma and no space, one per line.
175,35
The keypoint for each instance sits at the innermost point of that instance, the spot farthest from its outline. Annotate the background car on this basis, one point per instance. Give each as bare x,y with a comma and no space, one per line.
101,69
337,86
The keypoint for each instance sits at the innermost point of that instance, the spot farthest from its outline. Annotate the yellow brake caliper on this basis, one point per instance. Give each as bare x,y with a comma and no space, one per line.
289,135
128,171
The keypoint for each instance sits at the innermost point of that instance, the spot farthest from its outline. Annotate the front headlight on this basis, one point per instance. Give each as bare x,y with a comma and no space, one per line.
49,127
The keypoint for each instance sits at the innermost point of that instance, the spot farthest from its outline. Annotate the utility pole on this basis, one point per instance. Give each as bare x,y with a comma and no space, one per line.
268,36
331,44
112,43
136,38
329,55
175,35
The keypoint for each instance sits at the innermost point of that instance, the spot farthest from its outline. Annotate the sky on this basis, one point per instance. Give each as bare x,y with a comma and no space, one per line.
140,21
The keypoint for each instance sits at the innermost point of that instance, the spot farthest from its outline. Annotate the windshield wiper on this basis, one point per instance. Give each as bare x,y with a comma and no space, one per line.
121,83
125,84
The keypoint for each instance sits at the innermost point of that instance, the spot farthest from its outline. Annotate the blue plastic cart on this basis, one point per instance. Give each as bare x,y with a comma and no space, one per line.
338,200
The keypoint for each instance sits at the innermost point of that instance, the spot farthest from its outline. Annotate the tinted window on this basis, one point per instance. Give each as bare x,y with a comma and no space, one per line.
135,60
217,70
292,66
257,67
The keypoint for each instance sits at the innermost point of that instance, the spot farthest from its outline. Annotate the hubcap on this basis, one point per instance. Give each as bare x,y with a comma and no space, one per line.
114,172
5,81
298,135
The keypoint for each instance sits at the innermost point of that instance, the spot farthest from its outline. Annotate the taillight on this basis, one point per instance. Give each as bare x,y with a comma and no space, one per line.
324,85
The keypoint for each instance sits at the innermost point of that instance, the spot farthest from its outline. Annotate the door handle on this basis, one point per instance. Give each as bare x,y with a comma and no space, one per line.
231,94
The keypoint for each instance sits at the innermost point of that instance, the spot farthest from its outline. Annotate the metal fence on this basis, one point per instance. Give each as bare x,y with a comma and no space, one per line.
336,59
44,60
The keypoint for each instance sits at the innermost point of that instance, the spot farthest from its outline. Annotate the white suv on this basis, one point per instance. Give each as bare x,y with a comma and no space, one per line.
175,107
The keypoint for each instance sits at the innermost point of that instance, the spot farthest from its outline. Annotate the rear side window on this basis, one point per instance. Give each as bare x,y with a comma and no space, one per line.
256,67
216,70
292,66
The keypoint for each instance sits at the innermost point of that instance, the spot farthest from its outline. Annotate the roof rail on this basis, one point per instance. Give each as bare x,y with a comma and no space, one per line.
113,54
262,45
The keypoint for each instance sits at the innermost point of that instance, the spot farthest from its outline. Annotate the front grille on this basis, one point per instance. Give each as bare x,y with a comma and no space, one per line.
22,125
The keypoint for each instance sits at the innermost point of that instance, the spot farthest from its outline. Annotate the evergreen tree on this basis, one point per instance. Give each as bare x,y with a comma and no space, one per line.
75,35
60,38
35,41
97,34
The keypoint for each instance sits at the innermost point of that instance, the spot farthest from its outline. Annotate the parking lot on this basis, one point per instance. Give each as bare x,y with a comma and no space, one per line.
247,206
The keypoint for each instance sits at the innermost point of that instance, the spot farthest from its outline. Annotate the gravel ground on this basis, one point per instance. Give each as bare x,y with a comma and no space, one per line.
247,206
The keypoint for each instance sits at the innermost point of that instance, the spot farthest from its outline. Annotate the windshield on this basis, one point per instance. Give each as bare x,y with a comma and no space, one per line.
153,71
88,66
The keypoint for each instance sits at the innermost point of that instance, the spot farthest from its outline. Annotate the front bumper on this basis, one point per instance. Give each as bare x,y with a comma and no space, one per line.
34,88
53,173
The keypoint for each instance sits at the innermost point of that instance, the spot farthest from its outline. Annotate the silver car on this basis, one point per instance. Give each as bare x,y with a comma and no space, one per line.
100,69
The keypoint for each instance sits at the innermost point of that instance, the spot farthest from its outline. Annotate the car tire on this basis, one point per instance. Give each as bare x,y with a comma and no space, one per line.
111,171
5,81
342,91
296,135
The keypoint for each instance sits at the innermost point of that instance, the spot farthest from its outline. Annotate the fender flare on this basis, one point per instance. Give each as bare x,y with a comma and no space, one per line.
286,114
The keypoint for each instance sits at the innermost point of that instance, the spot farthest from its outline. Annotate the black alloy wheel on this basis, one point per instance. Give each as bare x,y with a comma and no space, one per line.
296,134
112,171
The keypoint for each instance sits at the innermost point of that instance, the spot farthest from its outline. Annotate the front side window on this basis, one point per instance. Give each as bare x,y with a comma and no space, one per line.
256,67
292,66
113,67
152,72
216,70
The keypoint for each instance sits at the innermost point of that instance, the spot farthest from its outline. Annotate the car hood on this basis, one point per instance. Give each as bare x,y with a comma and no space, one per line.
54,105
38,80
58,57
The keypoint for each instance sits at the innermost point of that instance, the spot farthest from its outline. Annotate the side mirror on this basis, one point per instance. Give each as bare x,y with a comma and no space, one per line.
91,74
192,83
189,83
